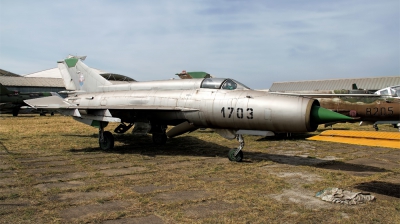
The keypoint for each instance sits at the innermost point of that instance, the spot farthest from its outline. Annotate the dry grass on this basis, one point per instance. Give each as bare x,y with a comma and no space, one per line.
53,172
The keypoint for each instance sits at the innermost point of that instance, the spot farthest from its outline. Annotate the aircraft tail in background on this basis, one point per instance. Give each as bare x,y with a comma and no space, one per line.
4,90
79,77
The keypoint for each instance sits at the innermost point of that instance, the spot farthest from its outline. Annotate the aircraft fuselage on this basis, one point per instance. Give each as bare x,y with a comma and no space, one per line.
213,108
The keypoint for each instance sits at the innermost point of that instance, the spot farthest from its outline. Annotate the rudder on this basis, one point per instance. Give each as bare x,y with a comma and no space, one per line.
4,90
79,77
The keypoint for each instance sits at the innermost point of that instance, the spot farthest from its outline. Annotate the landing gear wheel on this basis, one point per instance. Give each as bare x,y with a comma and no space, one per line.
237,158
159,138
107,142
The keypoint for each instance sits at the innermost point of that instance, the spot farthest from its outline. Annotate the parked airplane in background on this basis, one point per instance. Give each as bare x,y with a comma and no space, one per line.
226,105
381,107
12,101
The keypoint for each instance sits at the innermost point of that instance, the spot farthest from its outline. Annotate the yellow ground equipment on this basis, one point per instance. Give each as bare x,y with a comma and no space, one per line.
369,138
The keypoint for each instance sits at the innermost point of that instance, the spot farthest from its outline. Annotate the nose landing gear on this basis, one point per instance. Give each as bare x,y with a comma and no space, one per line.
236,155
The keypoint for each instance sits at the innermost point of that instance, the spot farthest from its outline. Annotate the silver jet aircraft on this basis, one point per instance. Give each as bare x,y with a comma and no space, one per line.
226,105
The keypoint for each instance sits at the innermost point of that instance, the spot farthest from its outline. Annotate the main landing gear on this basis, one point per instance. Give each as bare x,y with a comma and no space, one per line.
159,134
106,139
236,155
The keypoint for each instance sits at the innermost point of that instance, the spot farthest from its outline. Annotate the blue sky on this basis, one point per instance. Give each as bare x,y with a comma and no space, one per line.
255,42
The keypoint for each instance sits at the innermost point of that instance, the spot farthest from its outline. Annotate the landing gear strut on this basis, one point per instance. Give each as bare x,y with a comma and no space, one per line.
159,134
106,139
236,155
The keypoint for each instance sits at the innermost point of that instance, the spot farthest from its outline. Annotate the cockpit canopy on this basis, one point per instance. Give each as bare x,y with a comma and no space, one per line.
393,91
221,83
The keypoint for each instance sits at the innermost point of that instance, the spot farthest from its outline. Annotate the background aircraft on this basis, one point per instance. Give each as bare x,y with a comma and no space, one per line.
228,106
12,101
381,107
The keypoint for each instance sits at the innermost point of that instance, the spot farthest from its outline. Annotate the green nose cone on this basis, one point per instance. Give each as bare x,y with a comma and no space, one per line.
320,115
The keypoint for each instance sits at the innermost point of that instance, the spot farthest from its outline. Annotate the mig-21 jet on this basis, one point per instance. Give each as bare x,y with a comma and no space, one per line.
225,105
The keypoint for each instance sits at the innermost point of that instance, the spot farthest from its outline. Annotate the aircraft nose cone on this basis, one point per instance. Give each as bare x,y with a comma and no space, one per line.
320,115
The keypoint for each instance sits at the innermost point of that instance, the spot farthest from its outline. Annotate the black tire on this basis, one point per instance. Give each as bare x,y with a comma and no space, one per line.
159,138
108,141
237,158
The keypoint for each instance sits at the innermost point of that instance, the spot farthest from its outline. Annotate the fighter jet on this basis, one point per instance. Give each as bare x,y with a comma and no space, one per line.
12,101
229,107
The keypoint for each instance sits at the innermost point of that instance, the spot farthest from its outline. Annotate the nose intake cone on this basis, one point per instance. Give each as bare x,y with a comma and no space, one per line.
320,115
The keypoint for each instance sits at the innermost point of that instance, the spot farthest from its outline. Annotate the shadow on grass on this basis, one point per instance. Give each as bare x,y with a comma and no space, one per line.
192,146
287,137
379,187
143,145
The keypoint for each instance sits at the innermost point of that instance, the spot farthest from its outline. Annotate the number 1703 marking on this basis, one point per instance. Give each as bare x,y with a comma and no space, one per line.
239,112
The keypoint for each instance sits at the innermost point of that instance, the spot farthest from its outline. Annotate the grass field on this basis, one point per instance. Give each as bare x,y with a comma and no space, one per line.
51,171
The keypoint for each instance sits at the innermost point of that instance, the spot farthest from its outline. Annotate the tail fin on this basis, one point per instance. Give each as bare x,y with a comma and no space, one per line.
4,90
79,77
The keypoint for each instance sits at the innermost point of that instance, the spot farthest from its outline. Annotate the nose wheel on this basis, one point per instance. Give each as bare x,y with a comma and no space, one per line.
236,155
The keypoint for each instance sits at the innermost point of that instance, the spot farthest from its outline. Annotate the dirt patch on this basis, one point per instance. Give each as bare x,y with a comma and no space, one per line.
375,163
76,197
171,166
41,159
178,196
7,173
216,160
296,193
80,212
392,157
207,209
152,219
301,196
110,165
8,182
30,165
298,178
151,188
288,152
60,185
134,177
6,166
12,206
62,177
395,179
55,169
10,192
122,171
90,156
212,179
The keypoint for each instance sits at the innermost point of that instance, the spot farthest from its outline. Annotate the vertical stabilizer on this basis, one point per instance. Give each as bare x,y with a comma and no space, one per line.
4,90
79,77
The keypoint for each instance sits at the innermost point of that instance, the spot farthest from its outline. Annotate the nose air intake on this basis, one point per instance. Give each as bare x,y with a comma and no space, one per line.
320,115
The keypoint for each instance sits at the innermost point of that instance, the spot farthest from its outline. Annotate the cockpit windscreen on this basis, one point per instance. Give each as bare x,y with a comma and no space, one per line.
220,83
